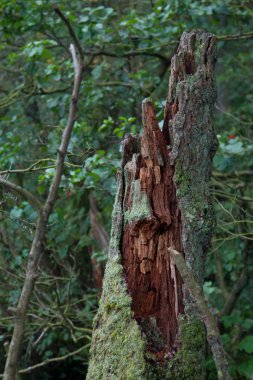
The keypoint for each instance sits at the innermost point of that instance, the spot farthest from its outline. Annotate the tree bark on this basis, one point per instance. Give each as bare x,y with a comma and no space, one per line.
147,326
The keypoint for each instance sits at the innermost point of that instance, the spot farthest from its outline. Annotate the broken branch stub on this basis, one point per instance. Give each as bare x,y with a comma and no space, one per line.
163,201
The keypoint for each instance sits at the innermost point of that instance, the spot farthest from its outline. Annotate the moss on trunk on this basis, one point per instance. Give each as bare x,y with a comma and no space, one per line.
187,363
118,348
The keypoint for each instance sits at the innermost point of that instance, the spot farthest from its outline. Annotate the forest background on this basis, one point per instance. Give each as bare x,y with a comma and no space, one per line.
127,47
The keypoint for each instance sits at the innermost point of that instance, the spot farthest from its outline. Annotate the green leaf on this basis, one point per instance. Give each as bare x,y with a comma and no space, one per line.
96,73
208,288
247,344
246,368
231,320
233,147
63,252
247,323
16,212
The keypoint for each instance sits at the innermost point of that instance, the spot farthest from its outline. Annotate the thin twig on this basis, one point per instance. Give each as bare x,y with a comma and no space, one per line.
131,53
239,36
71,31
220,274
32,168
58,40
221,109
233,174
52,360
232,196
235,293
116,83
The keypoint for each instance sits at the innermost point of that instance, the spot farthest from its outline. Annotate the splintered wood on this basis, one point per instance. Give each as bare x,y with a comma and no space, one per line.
152,224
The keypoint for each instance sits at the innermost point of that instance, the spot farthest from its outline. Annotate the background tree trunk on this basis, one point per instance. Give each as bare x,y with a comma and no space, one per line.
101,237
147,326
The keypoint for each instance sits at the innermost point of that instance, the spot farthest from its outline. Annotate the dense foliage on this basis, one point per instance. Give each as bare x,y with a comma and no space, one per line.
128,46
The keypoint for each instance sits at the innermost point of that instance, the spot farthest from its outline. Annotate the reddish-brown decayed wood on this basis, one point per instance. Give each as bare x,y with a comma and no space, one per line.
153,282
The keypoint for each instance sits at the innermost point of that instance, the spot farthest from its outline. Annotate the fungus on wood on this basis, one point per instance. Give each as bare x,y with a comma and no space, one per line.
147,326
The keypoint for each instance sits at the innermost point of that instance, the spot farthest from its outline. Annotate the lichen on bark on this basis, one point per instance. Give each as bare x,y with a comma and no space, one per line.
188,126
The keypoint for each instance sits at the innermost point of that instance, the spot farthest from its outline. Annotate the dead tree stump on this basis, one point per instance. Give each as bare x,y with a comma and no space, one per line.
147,326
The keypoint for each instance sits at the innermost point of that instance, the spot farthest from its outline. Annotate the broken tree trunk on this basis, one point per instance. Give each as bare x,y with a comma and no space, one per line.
147,326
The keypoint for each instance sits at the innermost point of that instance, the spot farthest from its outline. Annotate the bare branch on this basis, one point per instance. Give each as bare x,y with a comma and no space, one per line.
222,110
130,53
233,174
36,251
235,293
71,31
220,275
58,40
22,192
239,36
213,334
33,167
52,360
26,170
74,58
116,83
42,91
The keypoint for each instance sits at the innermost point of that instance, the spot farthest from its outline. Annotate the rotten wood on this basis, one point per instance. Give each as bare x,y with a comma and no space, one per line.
153,225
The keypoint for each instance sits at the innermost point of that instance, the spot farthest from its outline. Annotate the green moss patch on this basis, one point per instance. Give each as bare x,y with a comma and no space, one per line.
188,362
118,348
